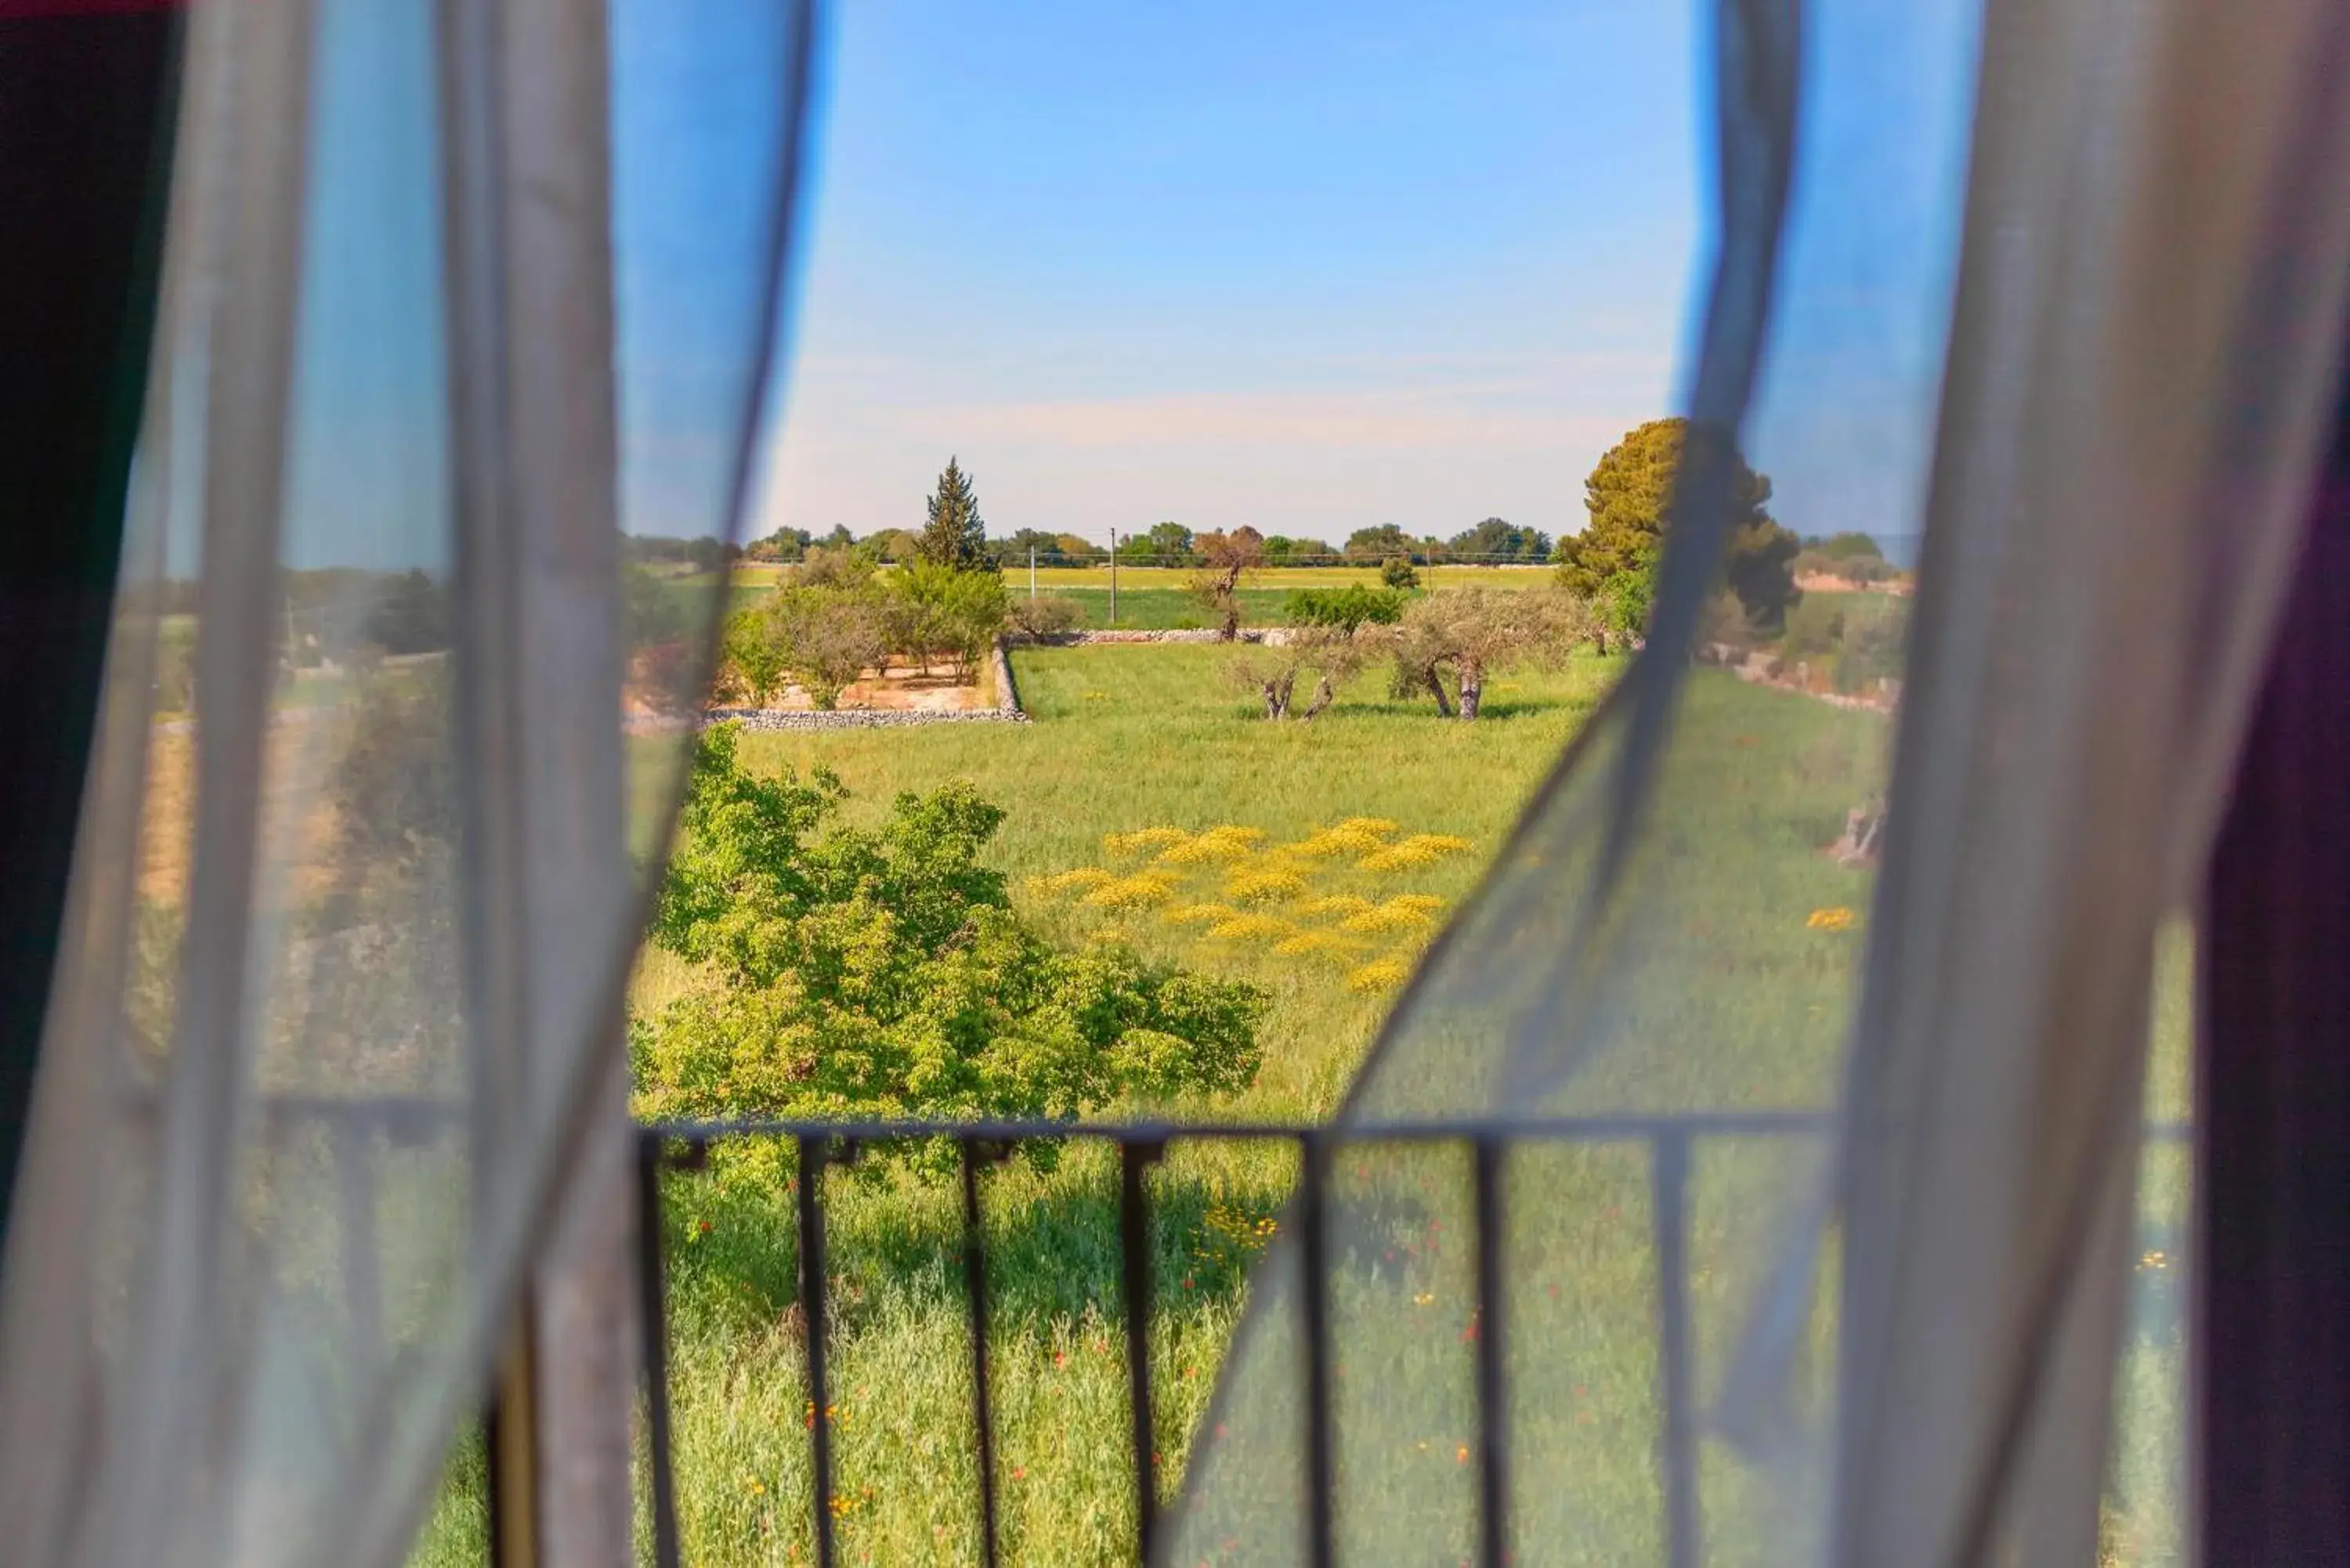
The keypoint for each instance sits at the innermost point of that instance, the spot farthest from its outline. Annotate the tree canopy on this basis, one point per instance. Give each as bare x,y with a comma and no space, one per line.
1169,541
955,535
1379,542
1629,496
1496,538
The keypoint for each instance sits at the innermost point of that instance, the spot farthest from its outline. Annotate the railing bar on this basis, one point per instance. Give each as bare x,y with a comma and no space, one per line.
1312,1256
1133,1238
814,1152
1669,1215
975,1263
1493,1392
653,1313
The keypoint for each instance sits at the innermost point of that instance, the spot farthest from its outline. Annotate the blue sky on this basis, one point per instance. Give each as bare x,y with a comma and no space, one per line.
1305,266
1309,266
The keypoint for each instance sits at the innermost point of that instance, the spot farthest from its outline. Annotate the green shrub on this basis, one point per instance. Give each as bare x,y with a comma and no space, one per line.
882,972
1875,641
1349,609
1049,615
1814,626
1397,572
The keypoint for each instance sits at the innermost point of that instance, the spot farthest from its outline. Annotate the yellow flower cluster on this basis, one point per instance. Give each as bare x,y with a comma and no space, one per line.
1137,891
1407,913
1249,929
1225,842
1355,836
1242,1231
1837,919
1420,849
1230,885
1336,904
1267,882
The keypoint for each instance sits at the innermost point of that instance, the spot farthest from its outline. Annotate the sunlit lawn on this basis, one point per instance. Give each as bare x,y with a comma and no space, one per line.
1135,737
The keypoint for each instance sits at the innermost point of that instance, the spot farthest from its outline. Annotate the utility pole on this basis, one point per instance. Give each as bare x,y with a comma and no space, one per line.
1032,574
1112,576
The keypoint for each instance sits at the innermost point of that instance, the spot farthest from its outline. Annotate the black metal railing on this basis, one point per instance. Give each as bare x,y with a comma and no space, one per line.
1669,1142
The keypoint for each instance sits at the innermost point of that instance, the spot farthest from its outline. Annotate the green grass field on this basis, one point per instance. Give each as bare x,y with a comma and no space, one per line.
1129,738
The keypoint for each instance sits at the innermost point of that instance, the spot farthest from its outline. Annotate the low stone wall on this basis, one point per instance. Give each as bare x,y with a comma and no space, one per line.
857,718
1273,635
1007,695
1007,711
1766,669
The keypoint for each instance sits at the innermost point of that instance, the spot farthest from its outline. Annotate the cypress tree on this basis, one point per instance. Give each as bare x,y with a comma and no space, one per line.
955,535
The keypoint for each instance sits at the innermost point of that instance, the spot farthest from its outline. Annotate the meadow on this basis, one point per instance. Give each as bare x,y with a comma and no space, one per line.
1143,763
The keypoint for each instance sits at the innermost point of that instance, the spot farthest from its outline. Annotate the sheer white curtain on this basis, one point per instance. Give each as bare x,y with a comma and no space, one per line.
459,301
2059,286
2145,347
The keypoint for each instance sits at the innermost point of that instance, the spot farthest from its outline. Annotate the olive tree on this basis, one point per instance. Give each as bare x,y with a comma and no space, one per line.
1224,559
1448,644
1271,671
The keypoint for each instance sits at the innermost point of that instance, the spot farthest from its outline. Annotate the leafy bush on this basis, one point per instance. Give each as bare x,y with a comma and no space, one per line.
1397,572
824,638
1814,627
881,972
1345,610
1723,620
1048,616
1875,641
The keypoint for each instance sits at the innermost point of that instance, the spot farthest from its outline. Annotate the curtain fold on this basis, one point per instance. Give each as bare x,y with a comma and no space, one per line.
459,310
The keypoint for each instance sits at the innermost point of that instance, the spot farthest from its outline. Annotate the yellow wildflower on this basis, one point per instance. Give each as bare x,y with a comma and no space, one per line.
1355,836
1263,884
1381,974
1198,914
1250,928
1223,843
1836,919
1142,838
1144,887
1392,916
1420,849
1335,904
